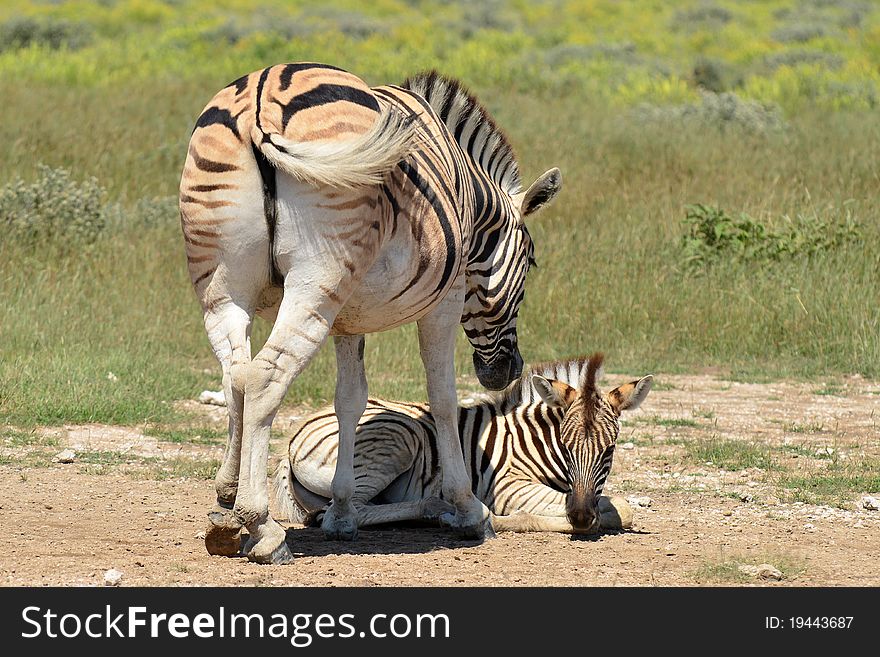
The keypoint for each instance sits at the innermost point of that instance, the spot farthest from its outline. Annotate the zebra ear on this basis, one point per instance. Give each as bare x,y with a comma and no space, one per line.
629,396
540,193
555,394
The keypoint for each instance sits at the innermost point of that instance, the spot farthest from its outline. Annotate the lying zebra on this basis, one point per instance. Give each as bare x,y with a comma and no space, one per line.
538,454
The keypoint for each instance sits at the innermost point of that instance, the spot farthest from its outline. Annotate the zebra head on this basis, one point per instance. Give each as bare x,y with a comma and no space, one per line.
496,278
589,431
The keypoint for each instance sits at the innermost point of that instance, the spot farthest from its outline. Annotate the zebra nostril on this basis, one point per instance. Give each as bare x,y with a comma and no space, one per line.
498,374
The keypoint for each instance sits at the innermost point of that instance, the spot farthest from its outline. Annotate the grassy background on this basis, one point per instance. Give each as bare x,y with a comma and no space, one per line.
619,95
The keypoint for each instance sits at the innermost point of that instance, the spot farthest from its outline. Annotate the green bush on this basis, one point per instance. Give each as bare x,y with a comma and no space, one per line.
721,111
52,33
713,235
705,16
711,75
800,32
796,57
54,207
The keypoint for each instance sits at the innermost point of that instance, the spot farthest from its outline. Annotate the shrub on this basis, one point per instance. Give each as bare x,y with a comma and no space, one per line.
721,111
620,56
713,235
52,33
54,207
707,15
709,74
312,20
796,57
799,32
145,213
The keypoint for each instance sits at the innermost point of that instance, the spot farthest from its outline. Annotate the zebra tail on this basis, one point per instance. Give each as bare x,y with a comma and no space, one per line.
360,162
284,500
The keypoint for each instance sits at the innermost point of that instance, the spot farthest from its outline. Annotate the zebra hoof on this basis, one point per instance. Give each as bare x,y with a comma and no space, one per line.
267,544
479,531
344,528
223,534
433,507
280,556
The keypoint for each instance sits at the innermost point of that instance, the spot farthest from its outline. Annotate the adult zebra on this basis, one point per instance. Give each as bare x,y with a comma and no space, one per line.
538,455
335,209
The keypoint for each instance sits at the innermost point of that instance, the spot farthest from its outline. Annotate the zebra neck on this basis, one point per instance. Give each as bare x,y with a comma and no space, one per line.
493,214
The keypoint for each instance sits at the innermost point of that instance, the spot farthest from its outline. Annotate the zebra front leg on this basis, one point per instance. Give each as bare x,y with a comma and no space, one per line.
614,514
428,509
437,332
303,323
341,520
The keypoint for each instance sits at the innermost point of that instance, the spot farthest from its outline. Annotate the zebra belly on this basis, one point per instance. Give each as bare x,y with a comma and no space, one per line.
380,303
349,241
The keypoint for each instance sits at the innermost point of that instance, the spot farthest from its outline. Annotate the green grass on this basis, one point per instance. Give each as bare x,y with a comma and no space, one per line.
839,485
189,435
180,468
15,438
730,454
133,91
804,427
30,459
726,570
669,421
830,389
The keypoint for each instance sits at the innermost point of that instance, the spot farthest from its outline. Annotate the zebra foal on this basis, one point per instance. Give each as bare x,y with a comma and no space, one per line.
538,455
333,208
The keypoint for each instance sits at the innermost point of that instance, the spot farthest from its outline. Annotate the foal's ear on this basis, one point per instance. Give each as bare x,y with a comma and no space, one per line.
630,395
540,193
555,394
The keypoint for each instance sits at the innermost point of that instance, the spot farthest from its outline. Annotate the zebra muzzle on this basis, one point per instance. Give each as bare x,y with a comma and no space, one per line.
583,511
498,374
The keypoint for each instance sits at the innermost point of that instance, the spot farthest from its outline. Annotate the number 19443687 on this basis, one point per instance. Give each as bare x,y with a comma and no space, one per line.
808,622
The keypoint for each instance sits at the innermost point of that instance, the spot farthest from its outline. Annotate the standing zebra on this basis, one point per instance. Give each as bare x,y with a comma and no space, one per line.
538,454
334,209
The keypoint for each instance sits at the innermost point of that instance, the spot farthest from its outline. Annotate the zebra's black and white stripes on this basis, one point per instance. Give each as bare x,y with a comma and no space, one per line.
544,447
333,208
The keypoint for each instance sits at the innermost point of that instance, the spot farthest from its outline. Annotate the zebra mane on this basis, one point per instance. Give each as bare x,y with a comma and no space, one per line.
472,126
522,392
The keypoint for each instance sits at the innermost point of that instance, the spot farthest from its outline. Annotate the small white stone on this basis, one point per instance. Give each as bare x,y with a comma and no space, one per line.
870,503
825,451
201,535
65,456
643,502
766,571
627,446
809,525
112,577
676,475
746,497
762,571
212,398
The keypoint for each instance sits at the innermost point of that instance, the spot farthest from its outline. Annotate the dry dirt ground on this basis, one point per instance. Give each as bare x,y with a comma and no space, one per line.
736,474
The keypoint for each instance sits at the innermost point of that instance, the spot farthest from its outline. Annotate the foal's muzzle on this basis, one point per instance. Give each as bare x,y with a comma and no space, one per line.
582,510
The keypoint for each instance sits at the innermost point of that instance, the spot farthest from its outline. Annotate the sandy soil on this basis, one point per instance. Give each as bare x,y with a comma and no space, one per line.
68,523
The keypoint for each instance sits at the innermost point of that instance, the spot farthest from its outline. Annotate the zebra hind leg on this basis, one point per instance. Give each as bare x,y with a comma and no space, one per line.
303,324
228,329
